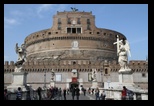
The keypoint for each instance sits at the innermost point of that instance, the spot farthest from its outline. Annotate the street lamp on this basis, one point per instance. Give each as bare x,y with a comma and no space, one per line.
108,81
45,78
101,76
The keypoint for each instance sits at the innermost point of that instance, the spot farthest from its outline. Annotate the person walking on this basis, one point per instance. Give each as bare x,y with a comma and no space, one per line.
64,93
67,91
77,93
97,94
59,94
5,94
52,93
73,92
89,90
28,97
92,91
39,93
104,95
130,94
124,93
48,94
84,92
19,94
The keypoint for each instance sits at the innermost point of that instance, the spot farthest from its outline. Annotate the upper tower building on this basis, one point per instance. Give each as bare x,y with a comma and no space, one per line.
73,36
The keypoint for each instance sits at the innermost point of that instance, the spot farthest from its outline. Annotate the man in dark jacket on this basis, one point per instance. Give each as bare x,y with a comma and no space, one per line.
130,94
39,92
77,93
73,92
64,93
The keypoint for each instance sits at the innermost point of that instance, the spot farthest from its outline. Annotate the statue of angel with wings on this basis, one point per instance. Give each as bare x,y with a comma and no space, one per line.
21,51
123,52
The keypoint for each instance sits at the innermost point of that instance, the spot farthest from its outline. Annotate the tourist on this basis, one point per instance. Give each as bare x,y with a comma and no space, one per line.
124,93
73,92
89,90
92,91
64,93
130,94
101,96
28,97
19,94
39,92
48,94
84,92
97,94
104,95
59,94
77,92
67,91
52,92
5,94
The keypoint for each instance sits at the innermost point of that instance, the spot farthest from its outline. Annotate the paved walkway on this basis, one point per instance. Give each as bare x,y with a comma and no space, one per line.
81,97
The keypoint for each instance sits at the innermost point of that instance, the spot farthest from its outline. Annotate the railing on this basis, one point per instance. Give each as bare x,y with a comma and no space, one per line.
115,94
33,95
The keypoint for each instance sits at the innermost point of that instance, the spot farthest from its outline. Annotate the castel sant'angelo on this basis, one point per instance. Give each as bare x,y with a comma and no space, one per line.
74,45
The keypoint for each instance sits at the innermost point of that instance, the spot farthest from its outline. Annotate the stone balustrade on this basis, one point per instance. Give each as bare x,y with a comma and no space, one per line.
115,94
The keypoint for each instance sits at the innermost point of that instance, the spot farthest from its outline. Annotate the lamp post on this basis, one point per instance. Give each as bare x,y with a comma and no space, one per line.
108,81
45,78
101,76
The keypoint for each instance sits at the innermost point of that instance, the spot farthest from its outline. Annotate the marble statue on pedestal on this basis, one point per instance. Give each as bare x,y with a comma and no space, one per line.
123,49
19,76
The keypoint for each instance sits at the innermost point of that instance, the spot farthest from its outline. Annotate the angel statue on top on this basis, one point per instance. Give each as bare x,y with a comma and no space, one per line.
93,75
123,50
52,75
21,51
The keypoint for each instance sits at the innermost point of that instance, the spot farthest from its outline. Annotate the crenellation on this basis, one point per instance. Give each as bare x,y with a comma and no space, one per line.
6,63
12,63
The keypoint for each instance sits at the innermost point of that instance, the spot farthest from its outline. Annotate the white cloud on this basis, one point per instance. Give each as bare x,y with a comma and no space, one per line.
10,21
50,7
44,7
16,13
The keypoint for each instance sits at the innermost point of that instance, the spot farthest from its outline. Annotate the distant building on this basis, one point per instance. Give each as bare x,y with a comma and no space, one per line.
72,47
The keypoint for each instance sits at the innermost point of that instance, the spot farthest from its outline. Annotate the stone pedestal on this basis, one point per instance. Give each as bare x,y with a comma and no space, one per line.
94,84
52,83
126,76
126,79
19,80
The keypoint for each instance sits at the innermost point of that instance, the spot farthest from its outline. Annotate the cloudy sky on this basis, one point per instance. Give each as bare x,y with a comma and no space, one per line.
20,20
